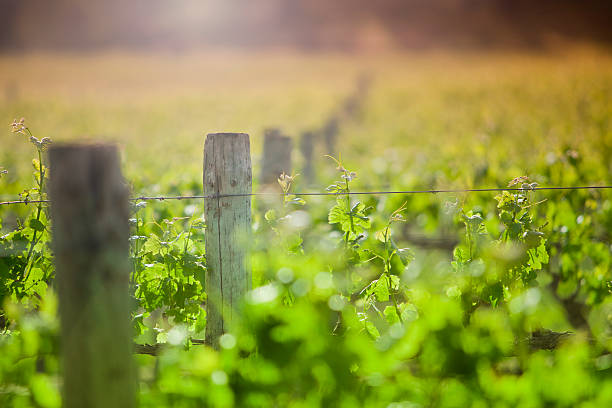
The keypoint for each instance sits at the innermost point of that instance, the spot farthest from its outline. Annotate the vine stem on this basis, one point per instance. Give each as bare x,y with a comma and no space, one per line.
348,205
135,274
347,234
40,182
388,273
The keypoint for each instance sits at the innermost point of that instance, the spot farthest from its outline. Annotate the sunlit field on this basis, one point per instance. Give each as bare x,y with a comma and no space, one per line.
456,111
406,300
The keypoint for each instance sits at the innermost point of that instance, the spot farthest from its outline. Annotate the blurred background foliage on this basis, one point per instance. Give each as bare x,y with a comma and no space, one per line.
410,300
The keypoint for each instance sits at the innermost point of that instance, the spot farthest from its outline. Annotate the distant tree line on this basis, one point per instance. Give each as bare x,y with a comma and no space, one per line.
311,24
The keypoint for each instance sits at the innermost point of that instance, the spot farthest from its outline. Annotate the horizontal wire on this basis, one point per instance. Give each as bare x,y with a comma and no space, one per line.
328,193
24,202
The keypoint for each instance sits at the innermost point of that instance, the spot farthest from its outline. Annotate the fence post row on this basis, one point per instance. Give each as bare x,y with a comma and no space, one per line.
276,156
89,206
227,170
90,211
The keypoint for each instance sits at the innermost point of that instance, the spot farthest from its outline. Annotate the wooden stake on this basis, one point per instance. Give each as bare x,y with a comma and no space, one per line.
276,156
330,132
89,208
307,148
227,170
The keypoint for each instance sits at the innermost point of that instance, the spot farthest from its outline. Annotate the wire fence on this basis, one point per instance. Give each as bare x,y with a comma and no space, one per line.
340,193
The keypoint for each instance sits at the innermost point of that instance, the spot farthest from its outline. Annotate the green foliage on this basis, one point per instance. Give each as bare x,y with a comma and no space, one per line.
169,271
26,267
348,309
489,271
351,216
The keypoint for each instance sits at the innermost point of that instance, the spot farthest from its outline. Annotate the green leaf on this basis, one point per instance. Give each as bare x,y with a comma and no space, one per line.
372,330
382,235
394,282
162,337
337,214
408,311
514,230
381,289
460,255
472,221
351,220
406,255
36,225
138,325
391,315
453,292
153,244
532,238
270,215
505,217
201,320
44,392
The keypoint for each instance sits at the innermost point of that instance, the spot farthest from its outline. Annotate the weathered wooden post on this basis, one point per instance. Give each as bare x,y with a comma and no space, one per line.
89,208
351,107
306,149
11,91
227,176
276,156
330,132
364,83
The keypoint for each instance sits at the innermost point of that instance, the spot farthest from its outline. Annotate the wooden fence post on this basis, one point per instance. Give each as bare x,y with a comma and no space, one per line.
11,91
307,148
330,132
227,170
89,208
276,156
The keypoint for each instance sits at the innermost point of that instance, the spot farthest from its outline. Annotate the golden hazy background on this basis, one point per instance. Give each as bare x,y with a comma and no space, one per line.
349,25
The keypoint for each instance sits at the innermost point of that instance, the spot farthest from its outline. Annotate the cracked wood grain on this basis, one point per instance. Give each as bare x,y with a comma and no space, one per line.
227,170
